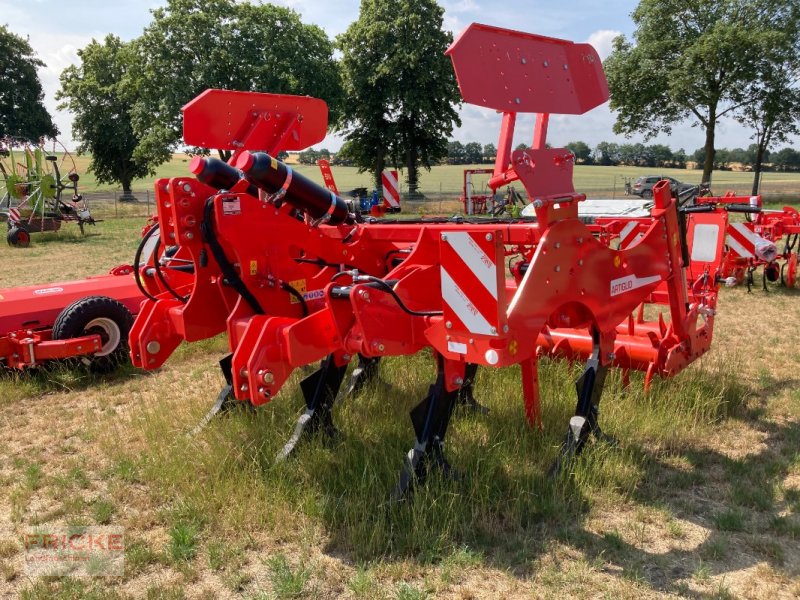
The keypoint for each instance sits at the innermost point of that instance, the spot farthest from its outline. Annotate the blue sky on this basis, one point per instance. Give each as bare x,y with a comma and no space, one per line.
58,28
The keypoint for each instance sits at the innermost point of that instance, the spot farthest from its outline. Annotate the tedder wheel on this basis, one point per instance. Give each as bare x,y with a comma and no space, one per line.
791,270
104,316
18,237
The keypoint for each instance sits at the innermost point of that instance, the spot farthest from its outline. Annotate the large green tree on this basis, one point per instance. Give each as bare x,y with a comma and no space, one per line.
22,112
94,92
693,60
774,116
400,90
193,45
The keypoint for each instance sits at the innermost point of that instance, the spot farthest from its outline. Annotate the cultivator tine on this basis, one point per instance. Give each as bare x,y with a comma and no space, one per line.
465,394
222,404
430,419
319,390
365,372
589,387
225,399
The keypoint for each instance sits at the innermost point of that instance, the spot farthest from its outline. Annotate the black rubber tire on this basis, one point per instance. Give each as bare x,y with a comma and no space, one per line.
647,194
18,237
75,319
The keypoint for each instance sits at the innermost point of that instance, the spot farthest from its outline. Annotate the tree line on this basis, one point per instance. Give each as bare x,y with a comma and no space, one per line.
389,87
391,90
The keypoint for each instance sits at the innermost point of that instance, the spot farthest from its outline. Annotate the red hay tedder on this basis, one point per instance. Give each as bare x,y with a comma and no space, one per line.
280,265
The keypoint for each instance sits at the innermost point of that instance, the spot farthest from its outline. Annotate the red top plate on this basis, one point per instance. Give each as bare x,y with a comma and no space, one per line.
231,120
511,71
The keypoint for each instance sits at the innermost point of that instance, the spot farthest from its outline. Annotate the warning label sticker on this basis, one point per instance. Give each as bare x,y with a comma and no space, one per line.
231,206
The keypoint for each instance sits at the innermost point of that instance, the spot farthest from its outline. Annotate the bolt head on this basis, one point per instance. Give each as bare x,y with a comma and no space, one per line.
187,187
381,347
153,347
458,381
449,324
489,237
268,377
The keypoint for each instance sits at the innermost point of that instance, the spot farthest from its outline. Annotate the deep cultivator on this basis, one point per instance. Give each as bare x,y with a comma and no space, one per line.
253,249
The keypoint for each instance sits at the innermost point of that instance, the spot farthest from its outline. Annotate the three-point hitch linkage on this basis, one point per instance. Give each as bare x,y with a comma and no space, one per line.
293,278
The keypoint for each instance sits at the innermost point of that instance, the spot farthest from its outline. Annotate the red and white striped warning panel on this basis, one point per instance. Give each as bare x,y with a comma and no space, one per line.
748,244
629,235
13,214
391,189
327,175
472,277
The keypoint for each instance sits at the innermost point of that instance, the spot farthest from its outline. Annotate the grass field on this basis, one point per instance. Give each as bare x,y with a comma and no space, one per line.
700,500
447,181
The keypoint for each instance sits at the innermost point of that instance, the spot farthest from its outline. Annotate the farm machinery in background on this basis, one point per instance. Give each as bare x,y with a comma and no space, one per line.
377,206
295,278
766,239
33,183
87,320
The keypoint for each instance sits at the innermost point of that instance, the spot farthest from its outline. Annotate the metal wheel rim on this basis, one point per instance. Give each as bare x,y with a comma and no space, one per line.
112,336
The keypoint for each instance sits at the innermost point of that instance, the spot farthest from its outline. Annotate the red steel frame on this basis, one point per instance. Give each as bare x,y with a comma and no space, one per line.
395,288
776,226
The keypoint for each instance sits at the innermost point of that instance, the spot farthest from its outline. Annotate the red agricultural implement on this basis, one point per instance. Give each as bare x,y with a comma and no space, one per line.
757,242
87,319
32,186
749,244
281,265
389,202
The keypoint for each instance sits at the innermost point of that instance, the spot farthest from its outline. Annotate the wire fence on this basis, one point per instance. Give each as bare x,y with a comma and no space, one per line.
446,197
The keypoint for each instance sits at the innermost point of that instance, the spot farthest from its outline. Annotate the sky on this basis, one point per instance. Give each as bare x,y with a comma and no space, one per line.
57,30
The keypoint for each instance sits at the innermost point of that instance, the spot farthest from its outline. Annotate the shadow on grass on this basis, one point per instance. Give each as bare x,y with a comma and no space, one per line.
502,510
734,499
59,376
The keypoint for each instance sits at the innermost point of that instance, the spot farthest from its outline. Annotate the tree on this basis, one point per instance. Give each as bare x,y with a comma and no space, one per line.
94,93
473,153
400,90
193,45
693,60
456,155
774,116
606,154
582,152
679,158
489,153
309,157
22,112
786,159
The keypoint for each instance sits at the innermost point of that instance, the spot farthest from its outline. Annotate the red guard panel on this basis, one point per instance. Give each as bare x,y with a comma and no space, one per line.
230,120
513,71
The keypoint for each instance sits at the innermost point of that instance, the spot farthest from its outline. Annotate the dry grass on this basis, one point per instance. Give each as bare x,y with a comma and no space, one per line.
702,499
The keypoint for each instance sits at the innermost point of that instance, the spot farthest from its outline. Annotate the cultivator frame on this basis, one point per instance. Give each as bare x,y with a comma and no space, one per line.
293,278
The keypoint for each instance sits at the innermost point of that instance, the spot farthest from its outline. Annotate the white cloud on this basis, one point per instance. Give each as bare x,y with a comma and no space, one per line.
603,40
